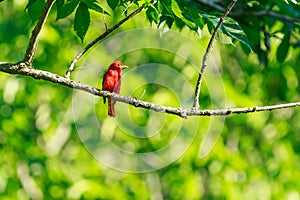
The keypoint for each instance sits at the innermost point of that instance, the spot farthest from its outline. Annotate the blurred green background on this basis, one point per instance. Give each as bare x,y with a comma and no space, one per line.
42,156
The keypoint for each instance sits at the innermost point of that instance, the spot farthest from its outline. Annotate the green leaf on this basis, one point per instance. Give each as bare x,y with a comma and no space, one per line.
223,38
211,21
230,27
92,4
176,9
35,8
179,23
59,3
253,35
167,8
30,2
194,15
167,20
147,3
152,14
67,9
283,48
113,3
190,24
233,29
82,20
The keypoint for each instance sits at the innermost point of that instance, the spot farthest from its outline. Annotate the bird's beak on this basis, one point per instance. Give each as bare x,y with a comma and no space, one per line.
124,66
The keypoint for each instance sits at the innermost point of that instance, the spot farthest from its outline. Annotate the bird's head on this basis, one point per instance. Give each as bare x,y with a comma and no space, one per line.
117,65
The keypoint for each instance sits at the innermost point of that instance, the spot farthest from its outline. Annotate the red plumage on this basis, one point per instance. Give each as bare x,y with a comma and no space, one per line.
112,82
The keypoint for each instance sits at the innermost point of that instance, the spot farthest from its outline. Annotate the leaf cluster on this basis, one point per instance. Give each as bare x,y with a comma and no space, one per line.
82,10
264,21
253,23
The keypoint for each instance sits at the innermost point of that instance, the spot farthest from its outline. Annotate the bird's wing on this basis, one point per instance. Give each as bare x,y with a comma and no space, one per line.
109,81
117,87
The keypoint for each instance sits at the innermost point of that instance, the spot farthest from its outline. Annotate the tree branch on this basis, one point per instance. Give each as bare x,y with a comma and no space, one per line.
23,69
102,36
252,13
31,49
267,13
207,52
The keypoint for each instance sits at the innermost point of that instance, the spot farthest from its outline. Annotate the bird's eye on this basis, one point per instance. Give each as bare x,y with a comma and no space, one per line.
119,65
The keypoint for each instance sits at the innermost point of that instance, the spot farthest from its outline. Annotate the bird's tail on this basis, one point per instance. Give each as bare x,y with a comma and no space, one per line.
111,107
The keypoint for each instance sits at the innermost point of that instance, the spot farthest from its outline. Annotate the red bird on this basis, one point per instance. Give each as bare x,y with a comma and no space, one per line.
112,82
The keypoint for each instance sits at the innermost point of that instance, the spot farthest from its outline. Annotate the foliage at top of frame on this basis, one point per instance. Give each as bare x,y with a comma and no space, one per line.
253,23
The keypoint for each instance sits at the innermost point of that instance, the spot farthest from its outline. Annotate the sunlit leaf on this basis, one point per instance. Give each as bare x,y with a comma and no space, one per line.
176,9
224,38
233,29
229,27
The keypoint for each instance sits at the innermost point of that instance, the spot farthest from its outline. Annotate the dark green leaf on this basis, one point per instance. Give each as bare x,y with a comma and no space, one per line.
113,3
30,2
82,20
152,14
167,20
267,40
179,23
194,15
167,8
59,3
263,57
253,35
283,48
35,9
92,4
136,2
65,10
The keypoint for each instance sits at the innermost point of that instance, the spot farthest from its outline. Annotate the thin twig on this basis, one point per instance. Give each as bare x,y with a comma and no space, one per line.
102,36
23,69
267,13
252,13
31,49
104,20
208,50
